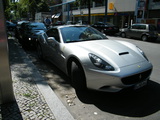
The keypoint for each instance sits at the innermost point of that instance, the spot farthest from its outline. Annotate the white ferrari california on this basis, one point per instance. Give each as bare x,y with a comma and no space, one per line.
93,61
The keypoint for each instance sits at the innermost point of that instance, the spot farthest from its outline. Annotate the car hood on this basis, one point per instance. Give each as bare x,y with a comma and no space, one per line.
37,31
112,52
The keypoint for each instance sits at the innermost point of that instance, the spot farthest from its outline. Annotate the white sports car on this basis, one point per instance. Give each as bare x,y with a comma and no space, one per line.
93,61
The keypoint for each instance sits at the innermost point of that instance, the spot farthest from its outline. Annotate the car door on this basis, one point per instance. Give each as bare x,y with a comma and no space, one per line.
44,45
53,47
141,30
132,31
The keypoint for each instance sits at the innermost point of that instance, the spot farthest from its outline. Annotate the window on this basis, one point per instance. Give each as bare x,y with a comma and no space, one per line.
134,27
54,33
99,3
143,27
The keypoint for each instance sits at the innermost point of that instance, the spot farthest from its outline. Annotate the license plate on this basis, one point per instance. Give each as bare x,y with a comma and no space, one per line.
141,84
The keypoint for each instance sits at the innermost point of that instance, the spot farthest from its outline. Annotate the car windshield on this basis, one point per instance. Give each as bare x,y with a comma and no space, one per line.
152,28
37,26
109,24
80,33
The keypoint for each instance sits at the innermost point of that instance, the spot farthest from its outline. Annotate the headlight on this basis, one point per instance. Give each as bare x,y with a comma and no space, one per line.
100,63
142,53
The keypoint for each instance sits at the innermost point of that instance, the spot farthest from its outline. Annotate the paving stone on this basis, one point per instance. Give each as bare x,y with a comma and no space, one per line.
29,101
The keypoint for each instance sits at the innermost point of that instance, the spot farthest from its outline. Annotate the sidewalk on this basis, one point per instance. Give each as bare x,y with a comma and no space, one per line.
35,100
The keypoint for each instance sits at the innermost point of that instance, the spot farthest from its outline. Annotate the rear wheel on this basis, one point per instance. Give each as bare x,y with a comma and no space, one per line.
144,38
123,34
77,76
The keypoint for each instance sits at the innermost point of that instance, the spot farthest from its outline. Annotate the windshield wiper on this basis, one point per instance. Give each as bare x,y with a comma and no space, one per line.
81,40
73,41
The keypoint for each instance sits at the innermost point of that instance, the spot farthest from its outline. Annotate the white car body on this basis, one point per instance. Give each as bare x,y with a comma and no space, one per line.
127,66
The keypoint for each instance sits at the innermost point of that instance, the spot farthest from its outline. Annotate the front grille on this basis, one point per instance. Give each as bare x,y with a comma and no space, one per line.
136,78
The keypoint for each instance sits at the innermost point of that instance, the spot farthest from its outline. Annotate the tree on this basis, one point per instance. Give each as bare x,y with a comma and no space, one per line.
6,8
28,8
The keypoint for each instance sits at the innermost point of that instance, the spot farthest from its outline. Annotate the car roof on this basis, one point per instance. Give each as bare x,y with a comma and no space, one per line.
140,24
34,23
63,26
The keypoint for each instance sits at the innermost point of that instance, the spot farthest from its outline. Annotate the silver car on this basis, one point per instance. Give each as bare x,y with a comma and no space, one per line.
93,61
145,32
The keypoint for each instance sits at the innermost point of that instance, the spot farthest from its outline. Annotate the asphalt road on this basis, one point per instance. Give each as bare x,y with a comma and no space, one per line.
143,104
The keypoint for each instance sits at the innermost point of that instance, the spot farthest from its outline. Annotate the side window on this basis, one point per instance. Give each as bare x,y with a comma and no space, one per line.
135,27
53,33
143,27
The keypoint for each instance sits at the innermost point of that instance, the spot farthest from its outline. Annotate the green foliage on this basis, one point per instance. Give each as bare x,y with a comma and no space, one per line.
25,8
30,7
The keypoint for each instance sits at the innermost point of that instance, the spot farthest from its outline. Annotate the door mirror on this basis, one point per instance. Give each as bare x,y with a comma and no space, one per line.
51,39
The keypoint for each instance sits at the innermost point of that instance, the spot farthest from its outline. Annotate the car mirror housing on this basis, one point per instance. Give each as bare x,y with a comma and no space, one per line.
51,39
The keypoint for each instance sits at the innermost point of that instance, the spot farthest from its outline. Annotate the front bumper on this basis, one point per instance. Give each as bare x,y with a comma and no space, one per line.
114,81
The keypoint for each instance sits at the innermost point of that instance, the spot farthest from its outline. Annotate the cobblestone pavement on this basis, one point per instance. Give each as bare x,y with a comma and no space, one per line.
29,104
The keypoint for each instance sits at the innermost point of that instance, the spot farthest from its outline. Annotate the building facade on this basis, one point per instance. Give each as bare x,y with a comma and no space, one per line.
119,12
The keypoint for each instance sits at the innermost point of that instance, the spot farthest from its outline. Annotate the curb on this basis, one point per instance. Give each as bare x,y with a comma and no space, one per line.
56,107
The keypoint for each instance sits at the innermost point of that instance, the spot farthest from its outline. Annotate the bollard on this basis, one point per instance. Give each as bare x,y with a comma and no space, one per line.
6,88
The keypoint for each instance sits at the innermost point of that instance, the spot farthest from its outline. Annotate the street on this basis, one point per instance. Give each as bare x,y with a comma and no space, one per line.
142,104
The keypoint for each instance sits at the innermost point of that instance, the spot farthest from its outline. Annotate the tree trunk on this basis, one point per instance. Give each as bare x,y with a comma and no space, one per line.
89,12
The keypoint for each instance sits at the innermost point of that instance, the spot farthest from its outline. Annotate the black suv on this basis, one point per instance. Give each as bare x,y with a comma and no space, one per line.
144,32
107,28
29,33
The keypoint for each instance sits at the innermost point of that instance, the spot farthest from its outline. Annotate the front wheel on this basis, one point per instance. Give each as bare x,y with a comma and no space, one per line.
144,38
77,76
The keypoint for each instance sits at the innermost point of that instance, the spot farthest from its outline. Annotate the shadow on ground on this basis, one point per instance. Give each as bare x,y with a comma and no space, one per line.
10,111
138,103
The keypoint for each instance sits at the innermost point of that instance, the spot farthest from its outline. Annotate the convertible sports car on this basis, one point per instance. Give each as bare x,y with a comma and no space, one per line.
93,61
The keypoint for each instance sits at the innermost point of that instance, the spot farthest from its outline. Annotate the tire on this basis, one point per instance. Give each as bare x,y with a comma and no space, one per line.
39,52
78,77
144,38
123,35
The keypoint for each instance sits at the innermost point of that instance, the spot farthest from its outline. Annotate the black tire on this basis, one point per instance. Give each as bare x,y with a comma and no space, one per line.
39,52
144,38
123,34
78,77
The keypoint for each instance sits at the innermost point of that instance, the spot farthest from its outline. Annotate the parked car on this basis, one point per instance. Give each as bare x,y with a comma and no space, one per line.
30,33
93,61
58,23
144,32
10,26
107,28
70,23
19,29
82,22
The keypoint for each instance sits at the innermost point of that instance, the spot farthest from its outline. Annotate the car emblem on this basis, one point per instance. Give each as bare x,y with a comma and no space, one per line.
138,66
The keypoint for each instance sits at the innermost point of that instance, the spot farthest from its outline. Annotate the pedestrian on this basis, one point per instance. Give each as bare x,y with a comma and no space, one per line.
47,22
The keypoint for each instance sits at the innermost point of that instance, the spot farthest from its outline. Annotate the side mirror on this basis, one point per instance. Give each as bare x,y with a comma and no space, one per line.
51,39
